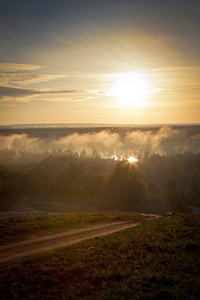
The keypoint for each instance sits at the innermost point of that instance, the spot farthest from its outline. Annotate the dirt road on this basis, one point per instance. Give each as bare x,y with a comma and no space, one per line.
31,246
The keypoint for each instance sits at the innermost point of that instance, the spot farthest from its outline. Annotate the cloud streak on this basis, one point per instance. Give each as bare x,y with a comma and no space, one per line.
11,67
26,78
7,93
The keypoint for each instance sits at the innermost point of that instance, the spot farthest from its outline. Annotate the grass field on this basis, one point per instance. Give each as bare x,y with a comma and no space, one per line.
159,259
16,228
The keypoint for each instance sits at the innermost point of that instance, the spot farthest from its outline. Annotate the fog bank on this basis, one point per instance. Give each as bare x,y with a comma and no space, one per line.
107,143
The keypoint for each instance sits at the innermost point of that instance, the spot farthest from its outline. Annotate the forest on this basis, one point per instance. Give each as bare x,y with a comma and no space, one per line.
93,168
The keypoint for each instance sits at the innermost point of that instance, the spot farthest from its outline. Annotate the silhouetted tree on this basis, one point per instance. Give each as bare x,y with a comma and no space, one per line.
172,193
125,186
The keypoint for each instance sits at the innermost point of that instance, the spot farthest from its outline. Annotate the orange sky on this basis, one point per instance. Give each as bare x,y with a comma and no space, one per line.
111,62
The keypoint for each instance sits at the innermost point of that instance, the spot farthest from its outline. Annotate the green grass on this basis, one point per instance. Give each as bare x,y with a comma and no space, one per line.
155,260
14,229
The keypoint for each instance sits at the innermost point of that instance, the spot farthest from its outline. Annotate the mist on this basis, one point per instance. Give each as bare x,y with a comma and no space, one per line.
91,167
164,141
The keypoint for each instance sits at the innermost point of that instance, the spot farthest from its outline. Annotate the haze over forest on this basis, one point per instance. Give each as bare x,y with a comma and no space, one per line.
146,169
108,141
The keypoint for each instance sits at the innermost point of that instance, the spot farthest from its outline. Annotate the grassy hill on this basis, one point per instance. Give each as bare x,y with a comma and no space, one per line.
155,260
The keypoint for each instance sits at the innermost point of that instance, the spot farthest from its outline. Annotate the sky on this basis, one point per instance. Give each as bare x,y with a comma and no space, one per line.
87,61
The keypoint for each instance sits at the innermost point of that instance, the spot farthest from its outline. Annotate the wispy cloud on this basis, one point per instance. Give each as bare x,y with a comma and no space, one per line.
176,78
6,104
8,93
12,81
10,67
23,78
174,70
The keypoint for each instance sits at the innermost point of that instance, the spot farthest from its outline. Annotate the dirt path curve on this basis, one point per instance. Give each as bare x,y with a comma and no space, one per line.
31,246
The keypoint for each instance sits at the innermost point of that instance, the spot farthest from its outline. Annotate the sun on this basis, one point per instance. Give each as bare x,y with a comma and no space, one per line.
131,89
132,159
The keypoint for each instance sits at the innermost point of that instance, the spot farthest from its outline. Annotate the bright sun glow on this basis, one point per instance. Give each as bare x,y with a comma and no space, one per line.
131,89
132,159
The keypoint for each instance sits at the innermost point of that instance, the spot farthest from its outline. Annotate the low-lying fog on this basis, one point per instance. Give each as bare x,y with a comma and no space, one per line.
109,142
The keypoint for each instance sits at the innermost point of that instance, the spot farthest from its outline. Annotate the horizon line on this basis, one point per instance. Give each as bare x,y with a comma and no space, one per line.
84,124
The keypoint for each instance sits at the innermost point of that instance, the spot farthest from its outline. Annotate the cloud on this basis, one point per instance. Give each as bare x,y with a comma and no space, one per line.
23,78
103,93
179,70
6,104
179,79
7,93
9,67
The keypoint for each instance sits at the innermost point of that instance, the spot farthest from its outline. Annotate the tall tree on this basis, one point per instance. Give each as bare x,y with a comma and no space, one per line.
126,186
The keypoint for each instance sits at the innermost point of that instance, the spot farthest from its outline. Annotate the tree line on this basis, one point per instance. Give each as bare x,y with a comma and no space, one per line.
155,179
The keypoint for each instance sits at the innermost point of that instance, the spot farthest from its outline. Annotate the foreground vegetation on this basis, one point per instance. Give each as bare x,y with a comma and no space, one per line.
19,228
155,260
